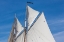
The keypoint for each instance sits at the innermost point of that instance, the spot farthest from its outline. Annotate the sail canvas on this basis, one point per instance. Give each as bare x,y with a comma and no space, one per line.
32,14
38,32
17,28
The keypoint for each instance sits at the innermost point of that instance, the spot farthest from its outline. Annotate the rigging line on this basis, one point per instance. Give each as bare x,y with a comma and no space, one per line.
42,34
20,37
19,34
34,21
27,14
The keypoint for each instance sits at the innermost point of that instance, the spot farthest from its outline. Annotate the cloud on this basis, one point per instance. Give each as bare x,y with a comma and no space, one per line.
59,37
3,40
5,26
53,22
4,32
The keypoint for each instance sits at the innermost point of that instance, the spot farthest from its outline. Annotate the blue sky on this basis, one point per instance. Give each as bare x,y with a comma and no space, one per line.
53,11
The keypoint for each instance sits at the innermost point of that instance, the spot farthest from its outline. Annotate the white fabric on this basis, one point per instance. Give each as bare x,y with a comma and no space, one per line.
40,31
17,28
32,14
11,37
20,38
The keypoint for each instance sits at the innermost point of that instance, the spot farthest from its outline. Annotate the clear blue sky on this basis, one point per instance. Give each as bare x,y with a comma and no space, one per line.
53,11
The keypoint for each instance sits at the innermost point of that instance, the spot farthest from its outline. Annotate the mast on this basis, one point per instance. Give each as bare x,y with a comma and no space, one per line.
26,21
37,31
26,25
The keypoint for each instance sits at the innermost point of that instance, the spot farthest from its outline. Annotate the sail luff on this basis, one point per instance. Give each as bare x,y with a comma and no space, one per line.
26,25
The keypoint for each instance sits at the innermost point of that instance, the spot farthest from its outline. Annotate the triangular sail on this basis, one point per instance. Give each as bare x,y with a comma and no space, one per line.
32,14
11,37
40,31
17,28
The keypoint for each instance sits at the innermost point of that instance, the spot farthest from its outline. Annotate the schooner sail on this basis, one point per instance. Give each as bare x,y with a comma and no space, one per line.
37,28
32,14
17,28
40,31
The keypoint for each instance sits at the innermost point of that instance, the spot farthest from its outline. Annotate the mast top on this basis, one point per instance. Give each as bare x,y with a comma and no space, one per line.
15,15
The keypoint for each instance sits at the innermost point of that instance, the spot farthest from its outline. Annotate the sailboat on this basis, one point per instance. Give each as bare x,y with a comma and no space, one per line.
36,28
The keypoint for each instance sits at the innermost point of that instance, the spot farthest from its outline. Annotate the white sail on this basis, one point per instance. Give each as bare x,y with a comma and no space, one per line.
32,14
11,37
20,38
40,31
17,28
